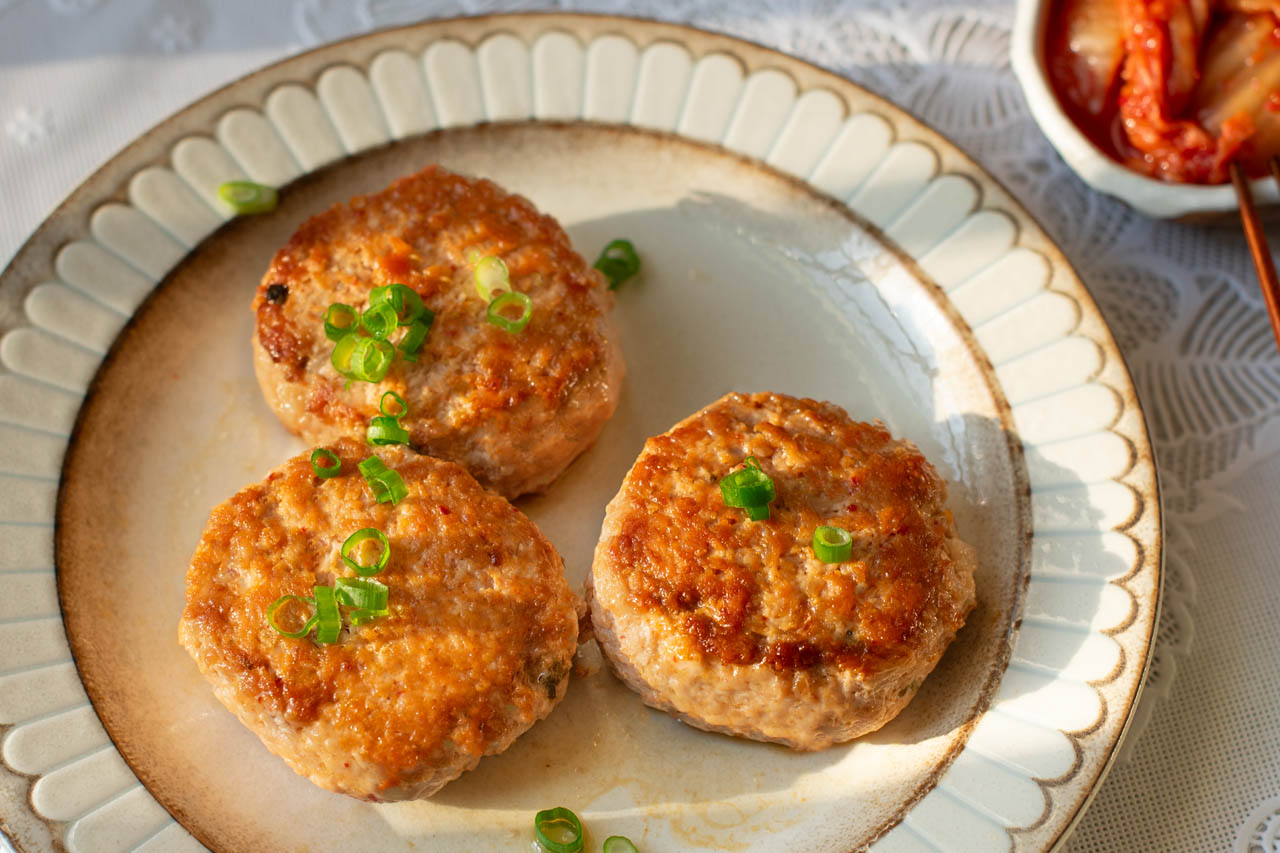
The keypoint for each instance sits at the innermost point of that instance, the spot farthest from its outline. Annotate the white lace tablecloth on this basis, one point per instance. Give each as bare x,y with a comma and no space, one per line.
79,79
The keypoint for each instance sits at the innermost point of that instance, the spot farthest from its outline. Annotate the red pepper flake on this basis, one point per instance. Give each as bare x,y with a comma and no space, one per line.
853,507
444,510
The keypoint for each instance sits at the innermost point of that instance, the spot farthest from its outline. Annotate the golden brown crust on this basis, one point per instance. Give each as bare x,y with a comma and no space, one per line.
513,409
733,625
477,645
746,592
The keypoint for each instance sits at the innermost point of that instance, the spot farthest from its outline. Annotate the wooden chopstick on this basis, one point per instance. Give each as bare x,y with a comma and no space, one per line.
1257,239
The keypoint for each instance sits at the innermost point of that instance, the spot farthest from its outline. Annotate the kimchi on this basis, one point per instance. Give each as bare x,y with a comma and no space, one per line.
1175,89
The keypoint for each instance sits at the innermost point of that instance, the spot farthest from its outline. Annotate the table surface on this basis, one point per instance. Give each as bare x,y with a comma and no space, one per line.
79,79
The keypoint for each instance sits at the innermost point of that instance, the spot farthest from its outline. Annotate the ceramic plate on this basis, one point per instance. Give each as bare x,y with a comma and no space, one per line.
798,235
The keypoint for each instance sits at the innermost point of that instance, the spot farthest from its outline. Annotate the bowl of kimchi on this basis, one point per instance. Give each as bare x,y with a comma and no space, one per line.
1151,100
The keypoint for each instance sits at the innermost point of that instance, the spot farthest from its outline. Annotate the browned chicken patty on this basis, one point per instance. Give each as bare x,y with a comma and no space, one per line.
513,409
476,647
734,625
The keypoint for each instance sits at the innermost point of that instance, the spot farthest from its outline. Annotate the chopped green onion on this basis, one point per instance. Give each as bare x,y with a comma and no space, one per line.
370,359
618,262
404,300
416,336
362,593
380,320
328,618
558,830
359,617
386,484
325,462
355,540
384,430
248,197
500,302
339,319
832,544
275,606
367,597
749,488
340,358
492,277
398,400
618,844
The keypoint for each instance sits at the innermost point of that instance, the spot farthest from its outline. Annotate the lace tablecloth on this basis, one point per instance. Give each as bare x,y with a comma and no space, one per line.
1201,768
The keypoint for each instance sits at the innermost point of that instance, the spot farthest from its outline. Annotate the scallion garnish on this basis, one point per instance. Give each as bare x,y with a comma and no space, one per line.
404,300
618,262
350,556
340,358
275,606
368,598
832,544
396,400
385,484
618,844
749,488
380,320
370,358
492,277
415,336
504,300
328,618
248,197
558,830
339,319
362,593
384,430
325,463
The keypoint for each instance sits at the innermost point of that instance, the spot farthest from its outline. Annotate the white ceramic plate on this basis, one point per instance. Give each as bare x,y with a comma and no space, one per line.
799,235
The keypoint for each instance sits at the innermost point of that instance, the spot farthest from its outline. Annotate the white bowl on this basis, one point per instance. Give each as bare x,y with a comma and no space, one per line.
1148,195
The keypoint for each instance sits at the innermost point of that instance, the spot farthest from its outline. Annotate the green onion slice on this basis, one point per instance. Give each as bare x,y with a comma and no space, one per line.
832,544
355,540
370,359
362,593
398,400
248,197
380,320
415,336
504,300
359,617
404,300
275,606
340,358
384,430
749,488
618,844
385,484
325,463
492,277
328,618
339,319
558,830
618,262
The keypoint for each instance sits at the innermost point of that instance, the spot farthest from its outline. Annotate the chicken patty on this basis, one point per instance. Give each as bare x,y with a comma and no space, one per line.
475,647
513,409
734,625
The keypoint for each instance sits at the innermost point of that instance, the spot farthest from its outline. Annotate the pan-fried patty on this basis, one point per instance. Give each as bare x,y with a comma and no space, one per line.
513,409
476,647
734,625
